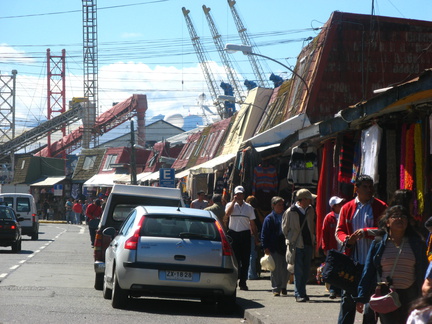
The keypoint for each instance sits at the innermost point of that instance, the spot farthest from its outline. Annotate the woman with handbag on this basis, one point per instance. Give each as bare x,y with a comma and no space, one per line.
397,257
273,243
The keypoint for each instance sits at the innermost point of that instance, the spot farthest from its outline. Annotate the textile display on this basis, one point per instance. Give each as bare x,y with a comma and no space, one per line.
323,190
303,168
418,150
402,157
346,158
265,179
370,147
409,159
341,271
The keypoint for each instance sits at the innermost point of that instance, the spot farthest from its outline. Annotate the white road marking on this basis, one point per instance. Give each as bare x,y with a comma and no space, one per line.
3,275
14,267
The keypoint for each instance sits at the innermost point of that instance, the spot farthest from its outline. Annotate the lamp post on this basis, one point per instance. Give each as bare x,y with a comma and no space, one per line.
247,50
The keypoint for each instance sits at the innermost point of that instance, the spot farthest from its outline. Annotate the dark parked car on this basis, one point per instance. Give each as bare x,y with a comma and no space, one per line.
10,228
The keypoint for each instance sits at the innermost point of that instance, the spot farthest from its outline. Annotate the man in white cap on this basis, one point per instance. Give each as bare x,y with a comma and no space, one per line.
298,226
240,217
328,233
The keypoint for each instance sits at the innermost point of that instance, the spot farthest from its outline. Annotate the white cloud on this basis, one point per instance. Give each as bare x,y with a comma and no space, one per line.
11,55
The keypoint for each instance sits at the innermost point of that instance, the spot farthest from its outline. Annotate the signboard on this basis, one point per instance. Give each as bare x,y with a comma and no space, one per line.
167,178
58,190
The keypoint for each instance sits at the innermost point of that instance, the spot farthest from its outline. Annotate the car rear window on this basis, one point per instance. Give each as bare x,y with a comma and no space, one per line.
121,205
6,214
173,226
9,201
23,205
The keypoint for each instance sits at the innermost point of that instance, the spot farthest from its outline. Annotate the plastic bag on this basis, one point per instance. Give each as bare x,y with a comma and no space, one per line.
267,263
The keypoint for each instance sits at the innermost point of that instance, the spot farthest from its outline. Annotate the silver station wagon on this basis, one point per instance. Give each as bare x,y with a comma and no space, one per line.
169,251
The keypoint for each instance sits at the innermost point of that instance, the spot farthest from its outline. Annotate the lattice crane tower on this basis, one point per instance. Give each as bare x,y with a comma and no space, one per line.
241,29
56,89
230,71
90,55
205,67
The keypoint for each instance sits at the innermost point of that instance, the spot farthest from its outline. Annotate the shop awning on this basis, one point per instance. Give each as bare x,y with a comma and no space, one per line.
279,132
210,166
48,182
102,180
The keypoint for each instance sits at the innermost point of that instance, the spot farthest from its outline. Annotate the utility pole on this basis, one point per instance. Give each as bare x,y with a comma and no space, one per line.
133,155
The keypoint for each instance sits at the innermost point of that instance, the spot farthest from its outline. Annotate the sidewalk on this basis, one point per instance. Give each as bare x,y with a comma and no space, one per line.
261,307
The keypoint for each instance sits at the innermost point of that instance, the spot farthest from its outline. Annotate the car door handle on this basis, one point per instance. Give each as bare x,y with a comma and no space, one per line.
179,257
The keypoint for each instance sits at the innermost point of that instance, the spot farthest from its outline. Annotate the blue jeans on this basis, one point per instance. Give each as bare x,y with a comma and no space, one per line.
302,267
348,311
252,271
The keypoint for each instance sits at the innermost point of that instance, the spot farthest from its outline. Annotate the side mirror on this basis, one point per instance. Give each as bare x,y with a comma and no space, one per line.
109,231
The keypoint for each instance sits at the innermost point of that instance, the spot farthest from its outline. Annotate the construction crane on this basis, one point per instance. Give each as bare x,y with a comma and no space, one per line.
230,71
39,132
256,66
204,62
90,57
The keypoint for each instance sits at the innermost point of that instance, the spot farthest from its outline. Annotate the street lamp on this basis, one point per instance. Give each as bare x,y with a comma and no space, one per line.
247,50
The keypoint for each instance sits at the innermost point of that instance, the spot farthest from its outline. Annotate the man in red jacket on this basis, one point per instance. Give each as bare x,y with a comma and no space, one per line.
358,222
93,213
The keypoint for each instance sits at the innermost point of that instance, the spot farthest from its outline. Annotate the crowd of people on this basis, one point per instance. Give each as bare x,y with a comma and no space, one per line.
383,239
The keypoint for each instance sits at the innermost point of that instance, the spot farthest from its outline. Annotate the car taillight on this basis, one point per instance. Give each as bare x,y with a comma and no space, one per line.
132,242
226,246
13,227
98,240
34,217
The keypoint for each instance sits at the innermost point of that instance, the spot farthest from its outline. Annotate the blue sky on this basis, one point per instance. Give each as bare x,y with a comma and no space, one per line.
144,46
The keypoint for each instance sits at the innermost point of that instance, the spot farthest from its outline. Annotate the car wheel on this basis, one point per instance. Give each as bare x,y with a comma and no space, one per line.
35,236
107,292
16,246
99,278
227,304
119,295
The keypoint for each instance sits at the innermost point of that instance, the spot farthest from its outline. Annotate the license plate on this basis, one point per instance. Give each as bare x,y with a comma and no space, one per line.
178,275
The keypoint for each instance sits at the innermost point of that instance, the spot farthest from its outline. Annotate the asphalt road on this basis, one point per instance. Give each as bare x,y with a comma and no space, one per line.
51,281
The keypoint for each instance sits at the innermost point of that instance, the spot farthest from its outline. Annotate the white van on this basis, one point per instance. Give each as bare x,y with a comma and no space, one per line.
25,207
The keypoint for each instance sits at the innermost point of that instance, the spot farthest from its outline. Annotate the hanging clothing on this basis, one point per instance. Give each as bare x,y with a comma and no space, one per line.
303,168
371,143
265,179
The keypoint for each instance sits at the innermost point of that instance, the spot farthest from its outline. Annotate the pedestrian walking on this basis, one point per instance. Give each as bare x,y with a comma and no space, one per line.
397,245
273,243
329,234
357,226
68,210
240,218
93,213
298,226
77,210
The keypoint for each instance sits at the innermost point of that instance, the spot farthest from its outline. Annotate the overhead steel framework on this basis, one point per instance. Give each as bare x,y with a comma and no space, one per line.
229,69
204,63
39,132
56,88
244,36
90,56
